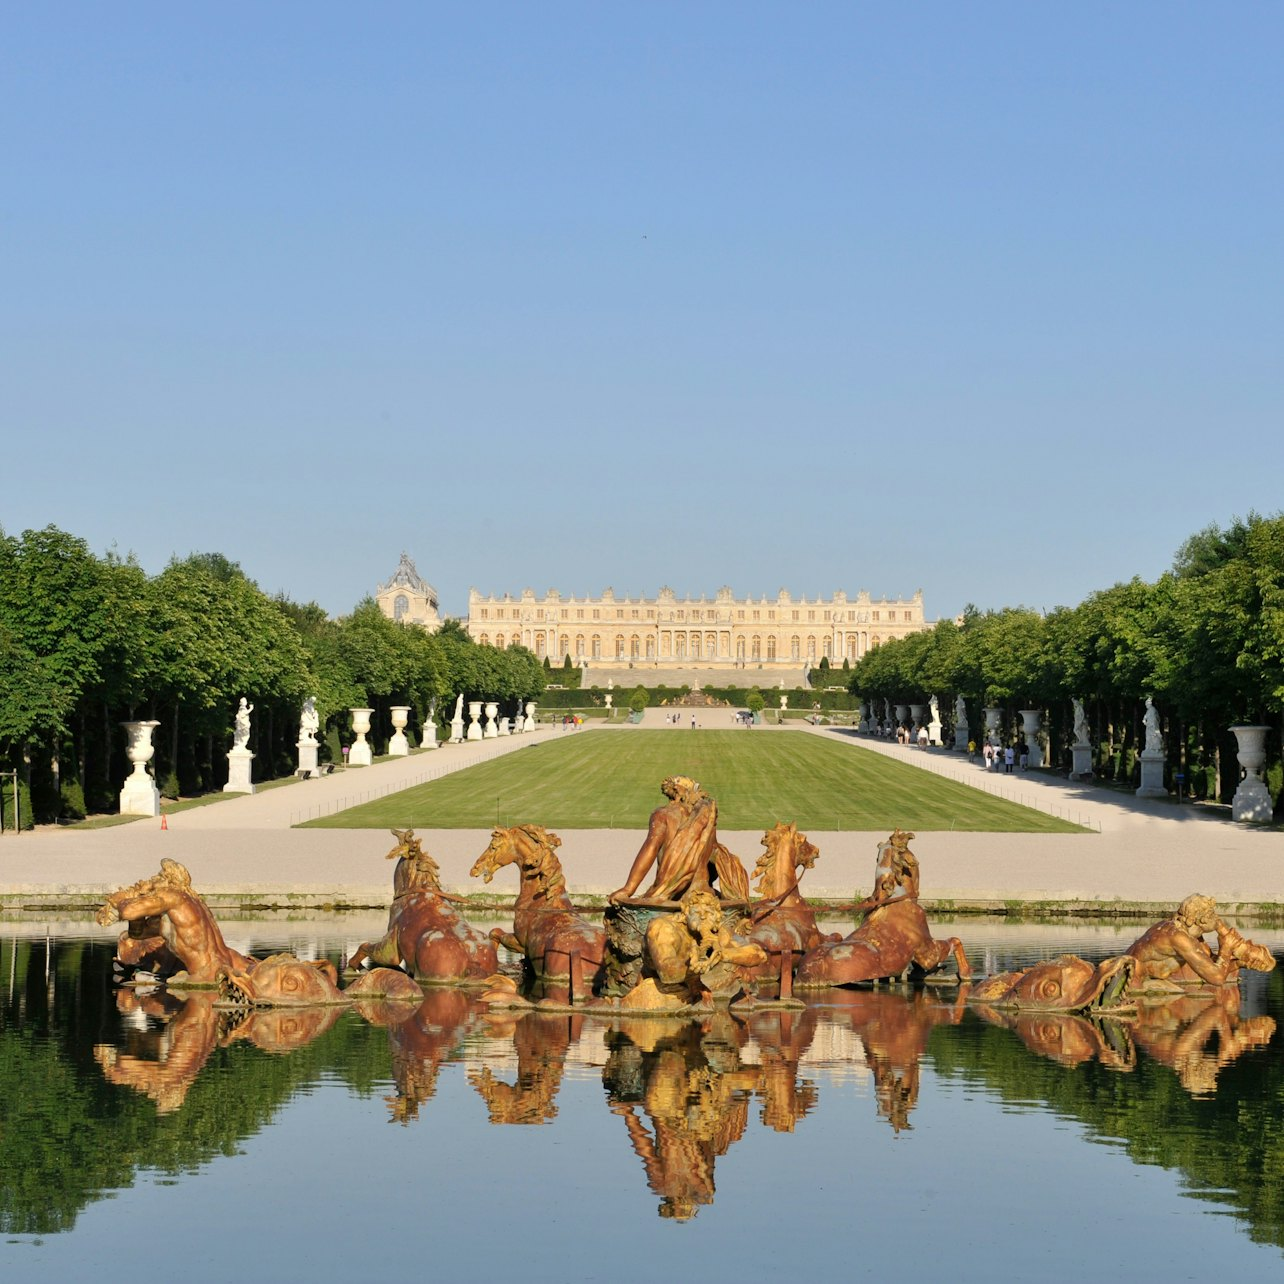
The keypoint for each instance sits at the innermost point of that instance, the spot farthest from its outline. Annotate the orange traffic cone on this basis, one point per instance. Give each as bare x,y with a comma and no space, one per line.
164,822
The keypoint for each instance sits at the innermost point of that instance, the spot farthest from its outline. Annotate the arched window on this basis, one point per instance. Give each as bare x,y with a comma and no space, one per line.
539,646
635,648
695,646
619,646
484,640
579,646
650,648
564,650
597,647
515,640
755,650
851,647
680,647
824,647
740,650
400,605
771,648
811,648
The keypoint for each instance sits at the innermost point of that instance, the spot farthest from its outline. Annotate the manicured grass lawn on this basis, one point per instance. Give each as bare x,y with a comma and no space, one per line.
612,780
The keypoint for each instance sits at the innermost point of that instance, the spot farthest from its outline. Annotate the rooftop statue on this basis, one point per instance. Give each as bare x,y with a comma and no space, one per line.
894,938
553,938
426,935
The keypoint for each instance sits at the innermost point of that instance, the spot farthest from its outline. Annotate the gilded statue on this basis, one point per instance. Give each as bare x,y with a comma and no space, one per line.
426,935
547,932
894,938
1173,953
782,922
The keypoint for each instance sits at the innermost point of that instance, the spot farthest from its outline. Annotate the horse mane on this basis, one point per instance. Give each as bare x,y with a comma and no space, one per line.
543,862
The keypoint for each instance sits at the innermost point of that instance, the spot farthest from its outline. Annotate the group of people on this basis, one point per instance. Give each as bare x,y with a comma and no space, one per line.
1004,757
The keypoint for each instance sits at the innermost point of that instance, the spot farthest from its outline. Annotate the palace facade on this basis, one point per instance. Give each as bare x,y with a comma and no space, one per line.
665,631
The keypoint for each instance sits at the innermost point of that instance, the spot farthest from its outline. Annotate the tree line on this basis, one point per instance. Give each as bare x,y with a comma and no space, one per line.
1205,640
88,642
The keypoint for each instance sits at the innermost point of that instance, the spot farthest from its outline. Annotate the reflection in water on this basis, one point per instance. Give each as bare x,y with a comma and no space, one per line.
148,1080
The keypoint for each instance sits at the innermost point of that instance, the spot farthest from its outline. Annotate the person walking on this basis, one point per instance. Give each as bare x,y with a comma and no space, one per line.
1009,759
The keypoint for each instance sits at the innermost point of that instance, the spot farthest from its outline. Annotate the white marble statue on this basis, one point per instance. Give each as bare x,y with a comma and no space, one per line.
241,732
1154,740
1082,732
309,723
960,710
934,714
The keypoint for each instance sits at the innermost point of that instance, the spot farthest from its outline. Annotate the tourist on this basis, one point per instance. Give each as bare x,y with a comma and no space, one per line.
1009,759
988,754
922,737
1023,753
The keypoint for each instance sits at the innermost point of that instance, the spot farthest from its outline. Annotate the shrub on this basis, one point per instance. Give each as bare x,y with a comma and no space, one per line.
169,786
24,803
73,800
639,699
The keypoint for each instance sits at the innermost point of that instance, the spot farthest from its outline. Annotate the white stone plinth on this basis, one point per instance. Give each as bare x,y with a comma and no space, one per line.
505,727
1030,724
399,746
960,736
307,756
1152,775
360,754
139,795
1252,801
474,724
1081,768
238,772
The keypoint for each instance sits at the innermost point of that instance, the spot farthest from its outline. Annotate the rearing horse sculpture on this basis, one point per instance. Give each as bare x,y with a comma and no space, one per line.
782,922
893,939
555,940
426,935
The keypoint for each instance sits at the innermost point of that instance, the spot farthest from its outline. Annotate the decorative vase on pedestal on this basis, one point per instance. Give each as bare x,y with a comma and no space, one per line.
490,731
474,720
993,725
399,746
529,723
1252,801
360,755
1030,724
139,796
902,712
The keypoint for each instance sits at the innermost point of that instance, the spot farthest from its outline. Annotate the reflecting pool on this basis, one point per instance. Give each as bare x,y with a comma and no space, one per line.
874,1131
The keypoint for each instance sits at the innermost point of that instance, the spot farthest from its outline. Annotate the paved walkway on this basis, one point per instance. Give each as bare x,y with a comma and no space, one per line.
1151,852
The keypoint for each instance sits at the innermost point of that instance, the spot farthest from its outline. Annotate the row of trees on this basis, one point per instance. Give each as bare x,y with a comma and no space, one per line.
88,642
1206,640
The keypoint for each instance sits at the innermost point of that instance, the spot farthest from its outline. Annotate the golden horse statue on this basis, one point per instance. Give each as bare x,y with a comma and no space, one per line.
553,938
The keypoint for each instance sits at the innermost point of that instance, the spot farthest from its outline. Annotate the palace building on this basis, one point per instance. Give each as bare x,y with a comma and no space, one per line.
666,632
408,597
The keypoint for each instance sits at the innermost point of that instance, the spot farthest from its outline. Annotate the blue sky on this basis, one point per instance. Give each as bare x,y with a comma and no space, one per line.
979,299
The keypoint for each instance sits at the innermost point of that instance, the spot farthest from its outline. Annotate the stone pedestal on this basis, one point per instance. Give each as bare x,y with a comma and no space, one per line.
457,728
934,732
474,720
360,755
505,727
490,730
1152,775
1030,724
238,772
961,735
139,795
307,756
528,723
399,746
1081,767
1252,801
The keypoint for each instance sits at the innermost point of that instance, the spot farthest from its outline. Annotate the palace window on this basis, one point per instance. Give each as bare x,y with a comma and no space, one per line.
484,613
795,652
597,646
756,652
795,615
771,648
811,617
874,614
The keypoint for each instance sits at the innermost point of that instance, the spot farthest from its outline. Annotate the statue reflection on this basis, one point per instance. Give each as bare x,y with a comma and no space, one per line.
161,1063
541,1042
693,1088
1196,1035
420,1039
163,1060
1067,1039
893,1030
782,1038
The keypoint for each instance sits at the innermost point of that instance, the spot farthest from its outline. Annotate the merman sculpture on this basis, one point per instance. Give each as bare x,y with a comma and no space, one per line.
893,939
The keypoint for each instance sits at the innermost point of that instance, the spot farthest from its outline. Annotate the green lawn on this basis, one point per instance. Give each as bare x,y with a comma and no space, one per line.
602,781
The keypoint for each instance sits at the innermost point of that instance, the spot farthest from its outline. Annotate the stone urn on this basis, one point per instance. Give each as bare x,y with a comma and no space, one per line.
528,723
491,729
474,720
993,725
399,746
902,712
139,796
1032,727
360,755
1252,801
916,716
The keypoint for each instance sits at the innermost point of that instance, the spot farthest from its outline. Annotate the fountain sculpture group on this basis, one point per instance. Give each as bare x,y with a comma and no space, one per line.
695,940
